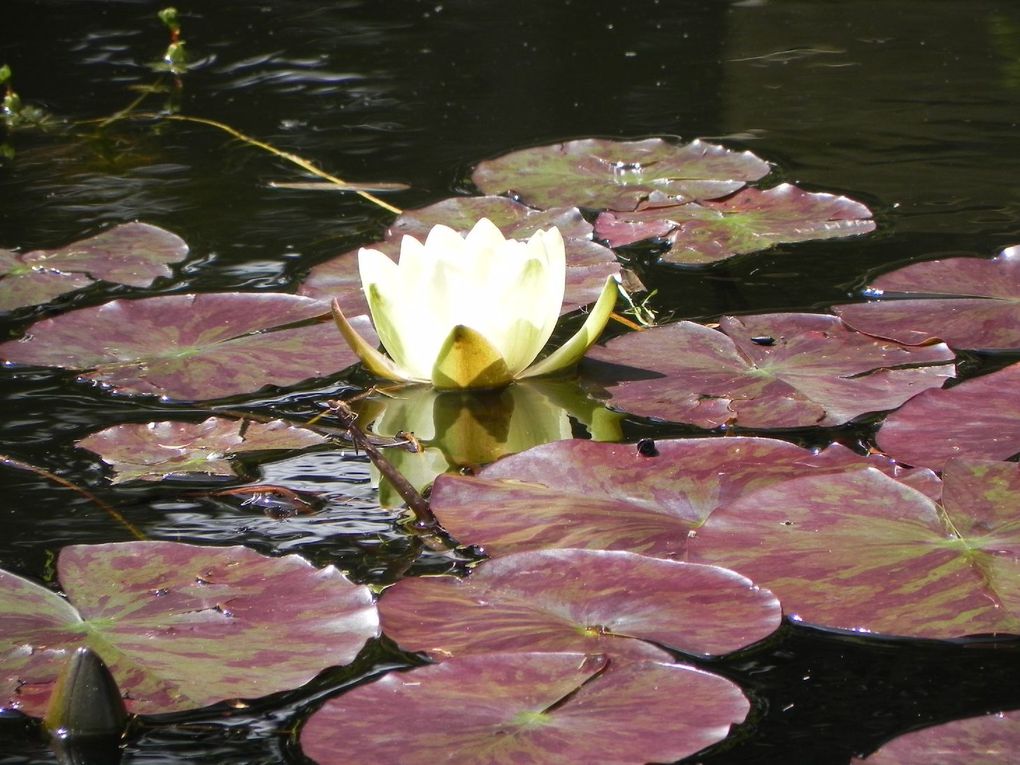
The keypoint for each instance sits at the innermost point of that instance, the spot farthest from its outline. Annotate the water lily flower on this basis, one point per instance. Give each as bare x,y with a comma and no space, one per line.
470,311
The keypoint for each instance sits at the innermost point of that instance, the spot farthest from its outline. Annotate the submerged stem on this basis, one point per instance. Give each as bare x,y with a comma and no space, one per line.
110,510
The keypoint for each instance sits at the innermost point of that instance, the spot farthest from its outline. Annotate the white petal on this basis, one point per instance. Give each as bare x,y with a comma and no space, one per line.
376,267
549,301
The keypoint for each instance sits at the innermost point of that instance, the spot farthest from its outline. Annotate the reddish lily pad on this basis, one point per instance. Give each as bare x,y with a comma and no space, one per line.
784,370
597,601
180,626
863,552
989,740
151,451
536,708
971,303
132,253
588,263
611,496
618,175
191,347
842,546
977,418
748,221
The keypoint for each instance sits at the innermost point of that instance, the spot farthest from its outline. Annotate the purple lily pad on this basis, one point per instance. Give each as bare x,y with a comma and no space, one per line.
841,542
977,418
152,451
584,494
527,707
862,552
748,221
972,303
597,601
180,626
191,347
588,263
618,175
784,370
132,253
987,740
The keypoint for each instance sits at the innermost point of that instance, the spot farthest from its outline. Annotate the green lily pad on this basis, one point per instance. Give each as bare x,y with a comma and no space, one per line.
748,221
588,263
841,542
180,626
977,418
969,303
527,707
618,175
151,451
597,601
989,740
784,370
132,253
191,347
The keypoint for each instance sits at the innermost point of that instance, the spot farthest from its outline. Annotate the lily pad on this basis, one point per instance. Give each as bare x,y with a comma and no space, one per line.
842,544
591,495
132,253
977,418
598,601
989,740
180,626
784,370
862,552
588,263
618,175
152,451
527,707
191,347
748,221
970,303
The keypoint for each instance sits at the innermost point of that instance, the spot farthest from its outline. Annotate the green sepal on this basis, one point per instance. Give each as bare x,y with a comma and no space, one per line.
375,362
571,352
467,360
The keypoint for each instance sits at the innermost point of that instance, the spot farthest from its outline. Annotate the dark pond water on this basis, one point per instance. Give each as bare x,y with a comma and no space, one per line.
911,106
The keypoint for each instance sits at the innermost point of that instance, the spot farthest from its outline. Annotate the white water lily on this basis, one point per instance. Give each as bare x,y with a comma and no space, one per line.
470,312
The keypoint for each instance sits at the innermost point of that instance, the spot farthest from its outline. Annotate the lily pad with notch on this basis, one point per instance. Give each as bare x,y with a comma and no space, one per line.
132,253
844,542
618,175
152,451
748,221
979,418
180,626
588,263
970,303
784,370
597,601
192,347
527,707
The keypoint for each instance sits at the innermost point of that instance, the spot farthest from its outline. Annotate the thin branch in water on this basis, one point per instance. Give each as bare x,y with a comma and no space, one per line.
301,162
109,509
424,519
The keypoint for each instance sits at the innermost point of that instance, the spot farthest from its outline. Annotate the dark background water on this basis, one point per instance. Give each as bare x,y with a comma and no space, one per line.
910,106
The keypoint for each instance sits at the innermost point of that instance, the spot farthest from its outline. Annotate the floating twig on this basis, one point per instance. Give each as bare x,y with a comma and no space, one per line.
301,162
424,518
